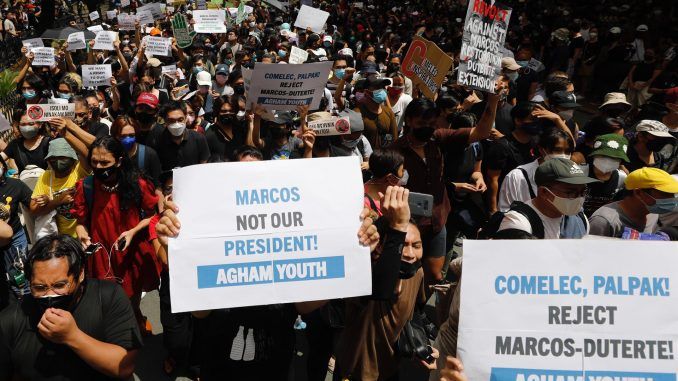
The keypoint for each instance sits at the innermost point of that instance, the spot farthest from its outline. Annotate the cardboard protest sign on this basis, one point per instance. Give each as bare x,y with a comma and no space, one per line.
255,237
145,17
76,41
484,35
43,56
45,112
209,21
181,33
331,126
111,14
127,21
33,43
284,87
94,16
104,40
570,310
124,3
298,56
95,28
313,18
96,75
426,65
155,10
158,46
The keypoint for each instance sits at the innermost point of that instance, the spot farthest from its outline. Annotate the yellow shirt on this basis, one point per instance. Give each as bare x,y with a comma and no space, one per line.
49,184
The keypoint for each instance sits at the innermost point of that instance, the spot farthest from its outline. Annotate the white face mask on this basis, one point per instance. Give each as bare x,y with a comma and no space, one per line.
606,164
566,115
177,129
556,156
567,206
403,180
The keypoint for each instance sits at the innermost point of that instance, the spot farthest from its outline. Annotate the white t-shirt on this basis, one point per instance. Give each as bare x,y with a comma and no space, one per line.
399,109
516,220
514,187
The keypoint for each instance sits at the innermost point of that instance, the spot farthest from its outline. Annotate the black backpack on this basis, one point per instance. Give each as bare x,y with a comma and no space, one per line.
491,228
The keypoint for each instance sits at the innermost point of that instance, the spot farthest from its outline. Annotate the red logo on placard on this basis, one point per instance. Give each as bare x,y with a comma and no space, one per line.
342,125
34,112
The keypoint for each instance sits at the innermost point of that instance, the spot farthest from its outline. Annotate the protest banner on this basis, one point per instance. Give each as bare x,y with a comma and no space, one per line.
155,10
96,75
76,41
111,14
181,33
331,126
158,46
104,40
483,40
126,21
284,87
259,234
124,3
298,56
33,43
570,310
313,18
94,16
45,112
43,56
426,65
209,21
145,17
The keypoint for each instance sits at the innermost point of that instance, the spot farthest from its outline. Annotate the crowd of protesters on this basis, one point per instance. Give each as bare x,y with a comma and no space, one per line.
579,139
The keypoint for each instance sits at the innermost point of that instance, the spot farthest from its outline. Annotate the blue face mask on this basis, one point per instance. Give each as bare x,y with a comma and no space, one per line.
282,53
663,205
30,94
339,73
197,70
128,142
63,95
523,63
379,96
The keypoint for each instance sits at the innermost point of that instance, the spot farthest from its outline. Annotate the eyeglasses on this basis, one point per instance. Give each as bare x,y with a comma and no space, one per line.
60,288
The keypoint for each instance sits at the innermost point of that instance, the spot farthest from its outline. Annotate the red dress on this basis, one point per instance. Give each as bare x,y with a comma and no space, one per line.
138,266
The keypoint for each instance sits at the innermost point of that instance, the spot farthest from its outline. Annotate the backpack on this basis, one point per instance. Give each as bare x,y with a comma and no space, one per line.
491,228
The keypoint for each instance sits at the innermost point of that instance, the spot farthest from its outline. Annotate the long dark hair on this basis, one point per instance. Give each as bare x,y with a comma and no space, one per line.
128,176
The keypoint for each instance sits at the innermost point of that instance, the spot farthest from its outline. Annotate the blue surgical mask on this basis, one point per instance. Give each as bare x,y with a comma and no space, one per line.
282,53
379,96
63,95
197,70
513,76
523,63
663,205
30,94
339,73
128,142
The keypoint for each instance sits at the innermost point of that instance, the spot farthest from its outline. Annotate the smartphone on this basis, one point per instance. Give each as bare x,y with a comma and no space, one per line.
91,249
421,204
57,193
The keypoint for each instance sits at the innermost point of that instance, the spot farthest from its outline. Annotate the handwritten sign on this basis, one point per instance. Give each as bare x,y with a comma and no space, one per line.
43,56
331,126
111,14
145,17
298,56
96,75
76,41
45,112
127,21
209,21
33,43
94,16
426,65
155,10
158,46
104,40
313,18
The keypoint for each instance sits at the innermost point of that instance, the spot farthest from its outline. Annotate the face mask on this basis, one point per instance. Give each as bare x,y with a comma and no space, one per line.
105,174
403,180
408,270
523,63
62,302
239,89
241,115
176,129
656,145
593,35
128,142
394,91
566,115
62,165
197,70
567,206
125,42
28,132
145,118
339,73
30,94
663,206
253,24
190,120
379,96
606,164
227,120
282,53
392,68
63,95
533,128
556,156
423,134
351,144
513,76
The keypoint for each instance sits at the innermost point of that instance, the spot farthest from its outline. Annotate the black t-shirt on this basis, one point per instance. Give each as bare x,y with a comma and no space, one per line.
98,129
507,153
602,193
665,80
103,312
12,193
222,147
23,156
151,162
250,343
192,150
524,82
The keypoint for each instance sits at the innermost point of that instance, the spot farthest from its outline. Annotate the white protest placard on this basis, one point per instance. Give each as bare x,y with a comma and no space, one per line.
124,3
111,14
169,69
331,126
76,41
284,87
43,56
94,16
572,310
158,46
145,17
96,75
358,5
259,234
4,123
155,10
96,29
104,40
126,21
209,21
484,35
298,56
44,112
33,43
313,18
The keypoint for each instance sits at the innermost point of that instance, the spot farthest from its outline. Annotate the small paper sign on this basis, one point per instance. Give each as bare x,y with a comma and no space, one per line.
330,127
76,41
94,16
45,112
104,40
43,56
96,75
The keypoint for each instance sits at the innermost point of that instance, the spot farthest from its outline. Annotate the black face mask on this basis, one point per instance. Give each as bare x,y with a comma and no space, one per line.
423,134
145,118
656,145
105,174
62,302
392,68
278,132
227,120
239,89
408,270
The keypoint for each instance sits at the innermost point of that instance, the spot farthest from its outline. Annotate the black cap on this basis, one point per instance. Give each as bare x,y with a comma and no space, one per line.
561,170
374,82
369,67
564,99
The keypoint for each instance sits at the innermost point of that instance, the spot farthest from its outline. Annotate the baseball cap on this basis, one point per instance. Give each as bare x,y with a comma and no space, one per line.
155,32
642,28
204,78
615,30
221,69
60,148
153,62
611,145
373,82
614,98
564,99
509,63
355,118
327,38
653,127
561,170
369,67
346,52
282,117
285,26
148,99
651,178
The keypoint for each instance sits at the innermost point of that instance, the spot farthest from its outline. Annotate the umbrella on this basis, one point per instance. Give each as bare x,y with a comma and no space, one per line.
62,33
